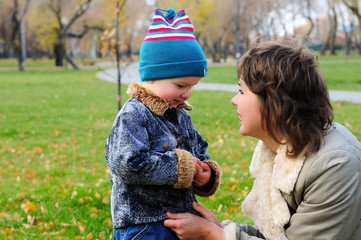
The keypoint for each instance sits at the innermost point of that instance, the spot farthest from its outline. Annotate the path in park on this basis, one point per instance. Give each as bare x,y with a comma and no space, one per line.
130,75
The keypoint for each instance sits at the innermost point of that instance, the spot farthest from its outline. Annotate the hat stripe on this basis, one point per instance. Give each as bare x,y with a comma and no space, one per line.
162,29
169,36
158,20
169,27
170,31
180,27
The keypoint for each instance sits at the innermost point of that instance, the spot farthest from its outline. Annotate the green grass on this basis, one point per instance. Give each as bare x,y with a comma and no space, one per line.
340,75
13,62
43,62
343,76
54,181
340,55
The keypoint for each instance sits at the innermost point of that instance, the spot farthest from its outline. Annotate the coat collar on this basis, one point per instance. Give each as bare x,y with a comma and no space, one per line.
155,104
275,176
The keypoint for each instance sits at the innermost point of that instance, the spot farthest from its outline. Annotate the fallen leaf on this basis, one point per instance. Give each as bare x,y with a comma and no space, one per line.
90,236
8,231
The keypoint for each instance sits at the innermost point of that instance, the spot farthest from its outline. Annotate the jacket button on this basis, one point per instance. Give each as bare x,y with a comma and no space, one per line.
166,147
179,140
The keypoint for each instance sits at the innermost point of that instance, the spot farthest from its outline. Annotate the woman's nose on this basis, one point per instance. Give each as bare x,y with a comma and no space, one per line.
234,100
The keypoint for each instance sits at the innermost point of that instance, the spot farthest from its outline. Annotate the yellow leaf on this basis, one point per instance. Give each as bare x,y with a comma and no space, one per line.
8,231
90,236
42,209
27,226
65,224
31,219
97,195
109,222
30,206
93,210
105,200
81,228
56,132
17,216
39,222
73,195
3,214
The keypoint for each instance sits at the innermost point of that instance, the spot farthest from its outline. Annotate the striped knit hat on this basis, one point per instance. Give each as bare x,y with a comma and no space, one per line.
170,49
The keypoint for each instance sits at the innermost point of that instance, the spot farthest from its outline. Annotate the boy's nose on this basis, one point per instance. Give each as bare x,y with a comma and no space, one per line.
187,93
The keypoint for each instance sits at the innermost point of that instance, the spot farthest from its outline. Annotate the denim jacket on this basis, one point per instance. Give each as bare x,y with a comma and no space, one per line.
149,154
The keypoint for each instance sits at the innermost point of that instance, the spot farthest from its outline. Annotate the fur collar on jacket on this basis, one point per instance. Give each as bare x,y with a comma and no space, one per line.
155,104
275,176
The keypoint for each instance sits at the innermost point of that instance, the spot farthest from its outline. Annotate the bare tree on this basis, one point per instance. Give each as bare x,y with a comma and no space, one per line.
308,17
17,39
63,29
239,7
356,10
331,38
119,8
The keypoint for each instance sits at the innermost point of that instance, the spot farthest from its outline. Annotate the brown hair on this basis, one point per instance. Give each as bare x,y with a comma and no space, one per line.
294,98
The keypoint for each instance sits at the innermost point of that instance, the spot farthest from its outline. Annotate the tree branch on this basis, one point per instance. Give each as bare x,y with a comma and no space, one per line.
85,31
83,7
353,9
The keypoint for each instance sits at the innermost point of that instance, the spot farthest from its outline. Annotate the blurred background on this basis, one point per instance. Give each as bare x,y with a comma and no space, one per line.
83,32
54,120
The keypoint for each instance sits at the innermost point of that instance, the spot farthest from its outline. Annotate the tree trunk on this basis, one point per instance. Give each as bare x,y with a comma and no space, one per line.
59,54
22,47
71,60
216,53
334,30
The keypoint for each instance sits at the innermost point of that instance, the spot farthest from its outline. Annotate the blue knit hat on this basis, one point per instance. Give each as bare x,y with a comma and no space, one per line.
170,49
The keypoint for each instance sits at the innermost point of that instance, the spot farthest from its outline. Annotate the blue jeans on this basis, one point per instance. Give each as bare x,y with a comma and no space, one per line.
147,231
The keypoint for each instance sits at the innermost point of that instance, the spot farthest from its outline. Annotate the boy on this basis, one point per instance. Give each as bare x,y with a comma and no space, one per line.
156,158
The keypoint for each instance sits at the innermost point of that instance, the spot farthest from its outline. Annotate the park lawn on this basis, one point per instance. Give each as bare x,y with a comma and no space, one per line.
341,72
13,62
54,180
46,62
340,75
343,76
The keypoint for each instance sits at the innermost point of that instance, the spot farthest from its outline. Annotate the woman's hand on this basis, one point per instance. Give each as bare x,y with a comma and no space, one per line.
208,215
190,226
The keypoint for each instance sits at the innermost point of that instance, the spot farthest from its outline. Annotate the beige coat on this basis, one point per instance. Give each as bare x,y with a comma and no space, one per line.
313,197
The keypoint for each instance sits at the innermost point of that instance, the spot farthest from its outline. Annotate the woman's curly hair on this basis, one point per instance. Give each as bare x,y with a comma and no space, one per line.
294,97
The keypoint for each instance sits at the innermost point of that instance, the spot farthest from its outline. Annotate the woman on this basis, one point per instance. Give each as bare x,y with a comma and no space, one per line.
307,169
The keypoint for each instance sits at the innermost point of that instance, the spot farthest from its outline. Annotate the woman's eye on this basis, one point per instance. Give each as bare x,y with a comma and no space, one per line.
240,91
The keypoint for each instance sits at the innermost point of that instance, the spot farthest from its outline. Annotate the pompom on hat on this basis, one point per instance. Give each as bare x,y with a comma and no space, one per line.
170,49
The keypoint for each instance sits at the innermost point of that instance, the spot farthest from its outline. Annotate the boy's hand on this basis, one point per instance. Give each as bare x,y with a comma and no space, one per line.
202,175
197,165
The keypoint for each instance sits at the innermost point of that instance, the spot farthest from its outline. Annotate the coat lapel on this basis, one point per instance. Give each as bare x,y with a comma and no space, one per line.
275,175
155,104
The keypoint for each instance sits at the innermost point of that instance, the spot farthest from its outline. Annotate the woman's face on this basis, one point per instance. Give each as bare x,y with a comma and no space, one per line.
249,112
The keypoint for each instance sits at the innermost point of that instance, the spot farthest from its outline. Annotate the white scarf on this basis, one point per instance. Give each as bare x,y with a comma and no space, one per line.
275,175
